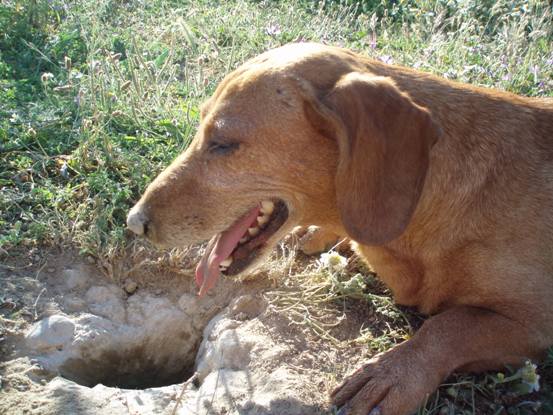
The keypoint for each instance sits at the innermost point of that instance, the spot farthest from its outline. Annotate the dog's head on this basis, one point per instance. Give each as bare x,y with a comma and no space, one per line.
299,135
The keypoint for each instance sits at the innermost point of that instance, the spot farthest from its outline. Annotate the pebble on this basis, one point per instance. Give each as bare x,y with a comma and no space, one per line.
50,332
241,316
246,306
130,286
73,304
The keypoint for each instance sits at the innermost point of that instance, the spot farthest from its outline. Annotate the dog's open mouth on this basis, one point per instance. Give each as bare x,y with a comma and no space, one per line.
232,250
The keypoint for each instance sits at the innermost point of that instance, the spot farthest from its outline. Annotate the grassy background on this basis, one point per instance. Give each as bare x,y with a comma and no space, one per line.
96,97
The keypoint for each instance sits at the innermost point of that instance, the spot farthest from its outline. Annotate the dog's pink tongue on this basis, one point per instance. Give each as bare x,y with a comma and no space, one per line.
218,249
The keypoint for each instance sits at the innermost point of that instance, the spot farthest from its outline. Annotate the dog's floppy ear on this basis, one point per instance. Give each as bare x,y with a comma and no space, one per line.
384,141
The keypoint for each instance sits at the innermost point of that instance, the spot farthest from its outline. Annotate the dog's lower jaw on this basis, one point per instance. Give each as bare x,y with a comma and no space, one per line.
237,250
264,252
273,217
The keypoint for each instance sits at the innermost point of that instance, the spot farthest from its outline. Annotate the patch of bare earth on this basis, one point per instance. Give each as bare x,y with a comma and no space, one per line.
80,336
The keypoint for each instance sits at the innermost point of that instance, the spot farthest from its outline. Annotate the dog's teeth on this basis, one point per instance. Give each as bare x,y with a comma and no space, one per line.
267,207
221,268
244,240
253,231
226,263
262,220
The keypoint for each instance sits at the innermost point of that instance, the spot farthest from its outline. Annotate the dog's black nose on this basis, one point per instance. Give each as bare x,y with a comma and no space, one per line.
137,221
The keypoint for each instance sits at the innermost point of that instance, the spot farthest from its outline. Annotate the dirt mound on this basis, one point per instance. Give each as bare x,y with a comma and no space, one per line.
76,341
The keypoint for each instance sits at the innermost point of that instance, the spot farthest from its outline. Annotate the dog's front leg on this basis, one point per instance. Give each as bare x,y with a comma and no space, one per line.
396,382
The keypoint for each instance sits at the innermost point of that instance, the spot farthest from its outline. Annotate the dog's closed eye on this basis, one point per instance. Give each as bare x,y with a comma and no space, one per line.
222,148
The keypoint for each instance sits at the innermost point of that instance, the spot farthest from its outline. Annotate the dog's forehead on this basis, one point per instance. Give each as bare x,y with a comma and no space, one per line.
296,53
255,83
254,95
268,88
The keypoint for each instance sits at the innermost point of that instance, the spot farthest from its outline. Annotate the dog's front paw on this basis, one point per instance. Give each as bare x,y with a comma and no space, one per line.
393,383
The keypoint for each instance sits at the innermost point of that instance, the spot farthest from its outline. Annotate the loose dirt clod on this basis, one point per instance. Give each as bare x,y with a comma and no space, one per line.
130,286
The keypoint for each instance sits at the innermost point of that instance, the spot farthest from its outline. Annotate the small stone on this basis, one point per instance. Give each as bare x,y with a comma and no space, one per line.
130,286
50,270
241,316
73,304
90,260
51,332
247,305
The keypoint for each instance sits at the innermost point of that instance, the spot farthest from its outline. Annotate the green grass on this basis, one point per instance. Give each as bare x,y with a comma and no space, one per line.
97,97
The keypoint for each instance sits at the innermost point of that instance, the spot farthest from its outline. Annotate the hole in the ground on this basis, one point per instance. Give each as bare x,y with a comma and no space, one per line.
129,369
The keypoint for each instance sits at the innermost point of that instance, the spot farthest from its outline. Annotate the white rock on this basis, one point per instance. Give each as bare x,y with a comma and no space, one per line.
230,348
104,302
61,396
234,351
51,332
243,370
223,387
94,333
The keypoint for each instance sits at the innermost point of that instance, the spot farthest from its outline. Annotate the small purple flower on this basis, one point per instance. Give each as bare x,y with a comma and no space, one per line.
386,59
372,42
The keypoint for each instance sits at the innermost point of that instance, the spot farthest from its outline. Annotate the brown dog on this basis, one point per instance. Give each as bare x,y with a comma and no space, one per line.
446,188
